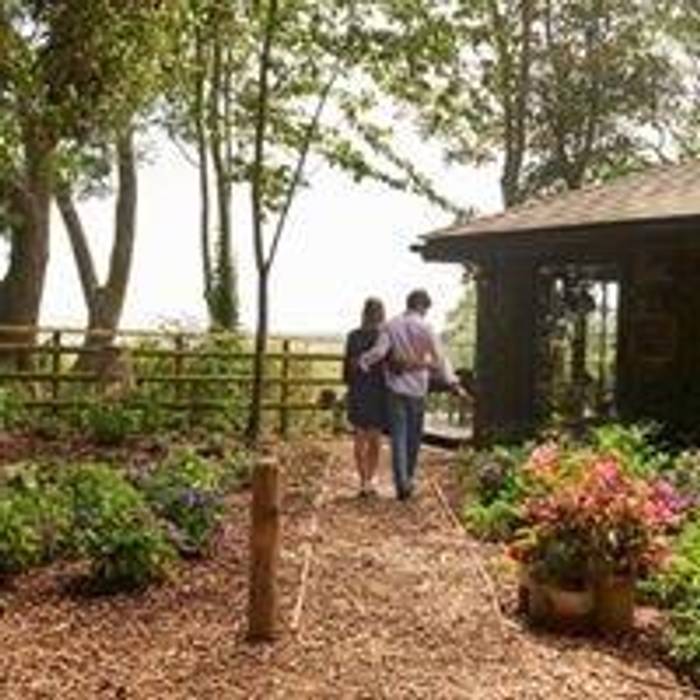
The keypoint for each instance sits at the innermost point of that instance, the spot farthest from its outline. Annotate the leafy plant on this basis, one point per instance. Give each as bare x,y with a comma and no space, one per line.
110,422
115,528
35,519
187,490
21,545
683,638
684,474
634,445
678,583
587,504
496,521
494,490
12,411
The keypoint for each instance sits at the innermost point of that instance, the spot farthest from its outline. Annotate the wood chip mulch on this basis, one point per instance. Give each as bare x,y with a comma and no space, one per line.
394,608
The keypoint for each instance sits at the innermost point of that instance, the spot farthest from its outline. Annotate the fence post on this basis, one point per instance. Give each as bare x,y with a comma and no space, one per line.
179,363
284,388
264,551
55,365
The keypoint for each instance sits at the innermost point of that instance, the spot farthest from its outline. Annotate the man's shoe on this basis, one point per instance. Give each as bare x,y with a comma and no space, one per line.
405,492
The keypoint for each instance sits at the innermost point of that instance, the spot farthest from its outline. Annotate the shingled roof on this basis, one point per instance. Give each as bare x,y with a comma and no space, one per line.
661,192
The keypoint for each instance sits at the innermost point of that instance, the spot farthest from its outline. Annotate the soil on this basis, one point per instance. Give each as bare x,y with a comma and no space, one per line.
396,606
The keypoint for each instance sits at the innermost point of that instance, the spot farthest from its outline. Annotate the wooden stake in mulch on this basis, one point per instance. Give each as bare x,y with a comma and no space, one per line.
264,551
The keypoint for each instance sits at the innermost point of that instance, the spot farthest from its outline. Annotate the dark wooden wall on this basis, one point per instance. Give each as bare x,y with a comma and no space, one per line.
505,347
659,360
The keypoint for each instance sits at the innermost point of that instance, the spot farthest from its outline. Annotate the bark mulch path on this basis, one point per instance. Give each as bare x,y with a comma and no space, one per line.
395,608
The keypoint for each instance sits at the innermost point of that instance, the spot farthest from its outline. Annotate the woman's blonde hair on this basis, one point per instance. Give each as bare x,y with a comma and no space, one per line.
372,313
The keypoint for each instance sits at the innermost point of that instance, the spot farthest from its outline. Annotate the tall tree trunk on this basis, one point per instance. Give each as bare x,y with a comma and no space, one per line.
257,207
261,336
29,202
202,63
515,91
223,309
105,303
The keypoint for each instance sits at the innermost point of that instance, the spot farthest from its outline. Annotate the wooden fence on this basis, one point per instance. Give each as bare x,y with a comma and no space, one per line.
184,371
193,371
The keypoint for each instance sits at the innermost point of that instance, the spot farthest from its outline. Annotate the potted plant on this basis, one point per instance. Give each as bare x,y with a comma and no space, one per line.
591,527
554,563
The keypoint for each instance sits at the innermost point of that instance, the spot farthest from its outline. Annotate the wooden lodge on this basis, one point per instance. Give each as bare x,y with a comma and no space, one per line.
588,304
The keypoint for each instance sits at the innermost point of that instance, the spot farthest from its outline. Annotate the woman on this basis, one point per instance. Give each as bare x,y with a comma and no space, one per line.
367,397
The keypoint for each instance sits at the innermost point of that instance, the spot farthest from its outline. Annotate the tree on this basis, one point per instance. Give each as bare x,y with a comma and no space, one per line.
560,92
460,331
309,74
105,302
68,72
205,110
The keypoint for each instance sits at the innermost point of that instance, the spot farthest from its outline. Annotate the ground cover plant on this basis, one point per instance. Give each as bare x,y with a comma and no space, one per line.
187,490
128,523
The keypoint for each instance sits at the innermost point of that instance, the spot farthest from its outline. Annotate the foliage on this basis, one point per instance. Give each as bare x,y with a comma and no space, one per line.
12,411
678,583
634,445
187,490
684,474
460,333
496,521
115,528
35,519
558,93
677,587
492,478
584,508
110,422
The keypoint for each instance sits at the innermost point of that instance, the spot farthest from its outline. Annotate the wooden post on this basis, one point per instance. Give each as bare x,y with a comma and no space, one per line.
284,388
505,358
55,364
264,551
179,360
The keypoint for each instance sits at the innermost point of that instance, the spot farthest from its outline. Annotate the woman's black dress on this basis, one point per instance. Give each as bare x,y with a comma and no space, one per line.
367,396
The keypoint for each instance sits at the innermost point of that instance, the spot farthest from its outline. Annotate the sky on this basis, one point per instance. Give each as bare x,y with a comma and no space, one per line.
345,241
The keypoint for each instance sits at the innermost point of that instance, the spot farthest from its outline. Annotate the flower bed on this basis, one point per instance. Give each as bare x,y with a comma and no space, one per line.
129,528
584,519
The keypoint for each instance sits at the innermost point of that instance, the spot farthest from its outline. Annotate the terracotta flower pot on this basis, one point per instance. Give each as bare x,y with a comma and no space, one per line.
570,605
551,605
614,603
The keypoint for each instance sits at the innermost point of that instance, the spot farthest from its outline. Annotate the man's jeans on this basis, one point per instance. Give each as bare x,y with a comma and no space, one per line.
406,424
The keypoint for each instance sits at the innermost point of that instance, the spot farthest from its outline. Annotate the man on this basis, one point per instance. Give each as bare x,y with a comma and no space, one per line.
412,352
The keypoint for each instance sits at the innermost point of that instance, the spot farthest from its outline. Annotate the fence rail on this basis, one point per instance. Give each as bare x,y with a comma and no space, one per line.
51,365
59,369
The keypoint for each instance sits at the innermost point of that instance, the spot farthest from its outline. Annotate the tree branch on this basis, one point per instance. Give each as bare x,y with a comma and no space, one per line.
78,241
309,134
125,219
261,119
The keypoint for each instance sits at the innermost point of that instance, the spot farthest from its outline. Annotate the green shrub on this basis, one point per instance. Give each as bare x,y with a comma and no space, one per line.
493,490
496,521
12,411
683,637
679,582
677,587
237,468
187,490
21,544
115,528
635,445
35,520
110,422
684,474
